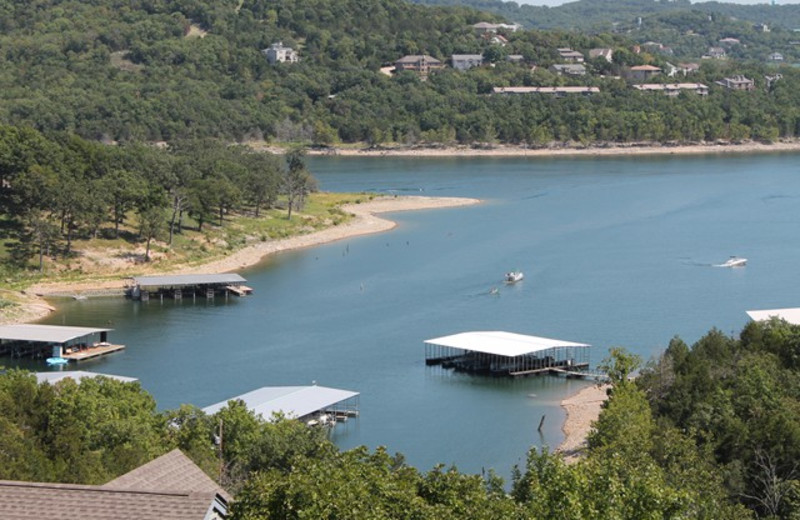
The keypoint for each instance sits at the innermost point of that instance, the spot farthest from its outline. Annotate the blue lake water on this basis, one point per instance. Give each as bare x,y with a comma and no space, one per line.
616,252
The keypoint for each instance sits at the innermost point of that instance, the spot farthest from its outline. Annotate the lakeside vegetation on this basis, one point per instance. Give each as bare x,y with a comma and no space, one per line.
74,208
711,431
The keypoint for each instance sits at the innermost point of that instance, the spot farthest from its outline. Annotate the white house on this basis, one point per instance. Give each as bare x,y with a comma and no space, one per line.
277,52
466,61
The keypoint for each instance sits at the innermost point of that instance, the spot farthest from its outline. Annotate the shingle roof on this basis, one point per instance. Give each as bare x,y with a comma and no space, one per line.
171,472
44,501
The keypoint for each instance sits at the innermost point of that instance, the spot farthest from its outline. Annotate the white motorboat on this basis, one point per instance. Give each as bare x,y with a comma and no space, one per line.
513,276
734,261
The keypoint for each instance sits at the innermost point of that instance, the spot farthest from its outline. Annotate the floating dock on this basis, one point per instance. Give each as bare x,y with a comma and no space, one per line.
314,405
500,353
791,315
180,286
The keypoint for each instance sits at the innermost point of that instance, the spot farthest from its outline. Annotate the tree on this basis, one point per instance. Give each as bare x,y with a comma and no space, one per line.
297,182
43,233
151,222
619,365
261,183
123,189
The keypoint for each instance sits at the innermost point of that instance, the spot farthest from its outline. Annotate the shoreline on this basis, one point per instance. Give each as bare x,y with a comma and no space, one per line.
599,150
583,408
33,307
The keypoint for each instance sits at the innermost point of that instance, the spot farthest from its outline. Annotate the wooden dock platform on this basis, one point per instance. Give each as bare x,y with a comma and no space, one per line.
92,352
240,290
581,374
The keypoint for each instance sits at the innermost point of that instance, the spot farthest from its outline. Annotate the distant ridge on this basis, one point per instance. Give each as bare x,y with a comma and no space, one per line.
599,14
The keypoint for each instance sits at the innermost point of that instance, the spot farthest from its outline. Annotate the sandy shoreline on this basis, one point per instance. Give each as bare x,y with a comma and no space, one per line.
611,149
33,307
583,408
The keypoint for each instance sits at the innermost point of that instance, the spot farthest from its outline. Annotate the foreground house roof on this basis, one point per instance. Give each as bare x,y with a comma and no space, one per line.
45,501
171,472
170,487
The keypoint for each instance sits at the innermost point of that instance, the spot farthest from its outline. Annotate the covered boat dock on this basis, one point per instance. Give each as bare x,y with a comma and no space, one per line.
77,376
43,341
179,286
790,315
502,353
311,404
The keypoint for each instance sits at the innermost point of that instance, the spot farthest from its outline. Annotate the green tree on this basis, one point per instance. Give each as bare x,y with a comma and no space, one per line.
297,182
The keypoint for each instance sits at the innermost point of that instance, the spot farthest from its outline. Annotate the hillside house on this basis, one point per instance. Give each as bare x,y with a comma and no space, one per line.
776,57
496,39
730,41
420,64
772,79
487,27
670,70
761,27
673,89
570,56
555,91
568,69
279,53
657,47
466,61
737,82
715,53
643,72
515,58
600,52
688,68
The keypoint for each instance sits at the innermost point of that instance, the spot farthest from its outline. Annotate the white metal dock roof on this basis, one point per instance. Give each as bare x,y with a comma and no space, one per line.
294,401
187,279
46,333
77,375
500,343
789,315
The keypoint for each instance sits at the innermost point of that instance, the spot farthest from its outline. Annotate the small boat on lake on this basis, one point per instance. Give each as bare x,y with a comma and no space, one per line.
734,261
513,276
57,361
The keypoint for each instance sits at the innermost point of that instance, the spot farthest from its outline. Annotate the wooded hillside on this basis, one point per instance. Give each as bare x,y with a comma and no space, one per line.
176,69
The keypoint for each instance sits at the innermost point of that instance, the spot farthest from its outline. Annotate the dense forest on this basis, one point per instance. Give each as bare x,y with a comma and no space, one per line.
708,432
166,70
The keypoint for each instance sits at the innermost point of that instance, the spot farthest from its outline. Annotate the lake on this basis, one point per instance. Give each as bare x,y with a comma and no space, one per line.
615,251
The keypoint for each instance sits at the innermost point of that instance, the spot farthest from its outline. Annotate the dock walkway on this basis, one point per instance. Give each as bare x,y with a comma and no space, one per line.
92,352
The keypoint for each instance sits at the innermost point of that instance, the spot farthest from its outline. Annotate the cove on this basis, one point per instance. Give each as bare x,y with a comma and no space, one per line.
615,251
